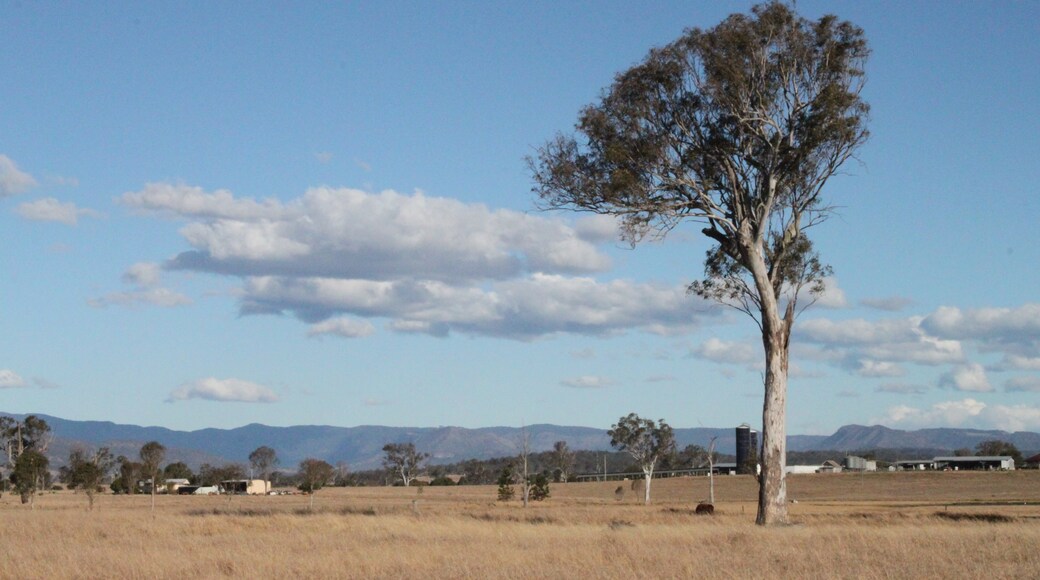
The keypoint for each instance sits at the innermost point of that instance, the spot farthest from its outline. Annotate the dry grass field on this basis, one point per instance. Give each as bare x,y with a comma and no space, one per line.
884,525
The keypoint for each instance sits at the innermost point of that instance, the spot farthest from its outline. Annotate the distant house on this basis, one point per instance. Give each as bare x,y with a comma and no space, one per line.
1031,462
829,466
246,486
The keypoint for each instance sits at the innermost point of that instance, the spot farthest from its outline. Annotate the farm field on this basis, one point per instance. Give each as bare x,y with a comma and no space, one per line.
883,525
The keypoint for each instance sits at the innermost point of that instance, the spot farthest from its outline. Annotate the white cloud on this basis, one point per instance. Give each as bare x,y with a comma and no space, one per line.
587,382
969,377
195,202
49,209
1013,330
1023,384
10,379
146,276
891,340
344,327
720,351
1018,363
427,264
832,297
967,413
352,234
224,390
522,309
13,180
143,274
872,368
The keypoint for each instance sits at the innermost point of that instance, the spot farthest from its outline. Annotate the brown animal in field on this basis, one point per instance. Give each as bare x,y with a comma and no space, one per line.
619,493
705,509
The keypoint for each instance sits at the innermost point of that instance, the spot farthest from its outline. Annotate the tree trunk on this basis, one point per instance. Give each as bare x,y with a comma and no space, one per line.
646,488
772,487
772,490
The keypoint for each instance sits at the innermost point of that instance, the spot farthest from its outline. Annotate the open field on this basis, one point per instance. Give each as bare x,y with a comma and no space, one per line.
885,525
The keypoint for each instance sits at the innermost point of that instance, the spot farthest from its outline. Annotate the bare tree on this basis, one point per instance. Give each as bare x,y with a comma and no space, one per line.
152,455
737,128
562,460
403,460
523,465
646,441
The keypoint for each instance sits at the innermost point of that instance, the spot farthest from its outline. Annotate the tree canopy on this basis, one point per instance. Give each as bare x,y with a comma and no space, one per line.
646,441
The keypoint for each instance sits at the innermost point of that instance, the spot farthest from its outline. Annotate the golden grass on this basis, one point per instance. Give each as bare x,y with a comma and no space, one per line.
961,525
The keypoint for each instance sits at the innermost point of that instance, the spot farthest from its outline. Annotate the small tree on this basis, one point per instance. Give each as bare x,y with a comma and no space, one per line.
87,471
263,459
314,474
152,455
505,484
561,460
30,475
645,440
539,486
129,473
402,460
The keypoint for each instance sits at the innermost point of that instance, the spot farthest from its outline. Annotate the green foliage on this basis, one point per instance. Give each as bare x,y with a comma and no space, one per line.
403,460
442,480
645,440
505,484
314,474
178,470
30,474
539,486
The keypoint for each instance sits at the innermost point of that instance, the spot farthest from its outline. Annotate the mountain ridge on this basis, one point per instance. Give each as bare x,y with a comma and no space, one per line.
361,446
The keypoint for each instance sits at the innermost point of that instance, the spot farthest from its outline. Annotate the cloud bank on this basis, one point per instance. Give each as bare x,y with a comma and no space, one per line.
223,390
425,264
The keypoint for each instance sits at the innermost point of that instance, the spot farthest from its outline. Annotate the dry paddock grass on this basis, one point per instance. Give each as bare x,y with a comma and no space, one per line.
887,525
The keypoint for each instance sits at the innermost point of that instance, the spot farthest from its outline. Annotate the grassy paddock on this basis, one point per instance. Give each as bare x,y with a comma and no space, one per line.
886,525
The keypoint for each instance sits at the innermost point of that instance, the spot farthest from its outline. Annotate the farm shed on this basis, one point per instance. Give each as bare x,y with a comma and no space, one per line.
246,486
985,462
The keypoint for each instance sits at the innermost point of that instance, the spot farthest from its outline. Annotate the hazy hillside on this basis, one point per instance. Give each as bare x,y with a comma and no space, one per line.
361,447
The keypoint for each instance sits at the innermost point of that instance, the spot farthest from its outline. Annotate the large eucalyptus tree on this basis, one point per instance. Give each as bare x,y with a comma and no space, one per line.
738,128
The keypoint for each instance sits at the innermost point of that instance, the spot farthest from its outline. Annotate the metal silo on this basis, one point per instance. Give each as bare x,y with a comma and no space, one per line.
744,446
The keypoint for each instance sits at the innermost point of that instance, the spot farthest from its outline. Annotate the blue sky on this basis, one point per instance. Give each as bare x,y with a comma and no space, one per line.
213,214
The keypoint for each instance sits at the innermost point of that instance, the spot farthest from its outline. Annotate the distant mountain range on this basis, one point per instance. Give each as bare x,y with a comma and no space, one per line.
361,447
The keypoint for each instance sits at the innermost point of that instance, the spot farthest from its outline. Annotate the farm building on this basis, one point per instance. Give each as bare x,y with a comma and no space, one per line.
987,462
853,463
246,486
173,485
968,462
